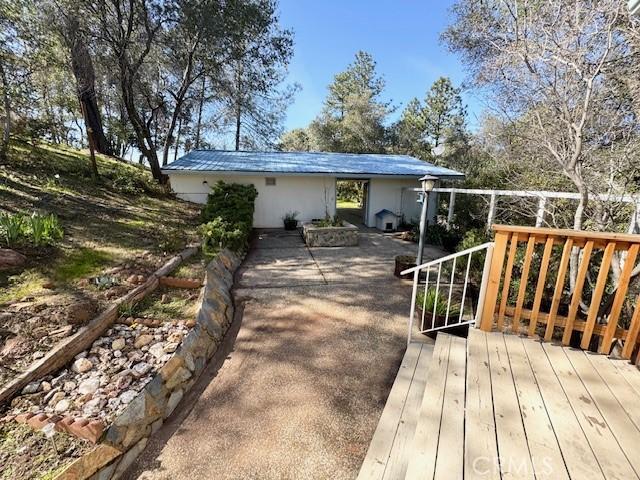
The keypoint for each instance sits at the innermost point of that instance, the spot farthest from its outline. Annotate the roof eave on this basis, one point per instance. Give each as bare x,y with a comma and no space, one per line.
345,175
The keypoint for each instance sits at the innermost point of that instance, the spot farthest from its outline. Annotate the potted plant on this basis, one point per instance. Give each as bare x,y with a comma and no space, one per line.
434,301
290,221
403,262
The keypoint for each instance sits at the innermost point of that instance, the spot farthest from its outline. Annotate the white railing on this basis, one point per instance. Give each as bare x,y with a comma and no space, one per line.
543,197
420,272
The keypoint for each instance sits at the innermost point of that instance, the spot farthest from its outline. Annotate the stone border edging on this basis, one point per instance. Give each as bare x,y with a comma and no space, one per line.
146,413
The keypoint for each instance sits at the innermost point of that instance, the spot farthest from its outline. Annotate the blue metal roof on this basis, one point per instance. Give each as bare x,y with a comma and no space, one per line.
306,163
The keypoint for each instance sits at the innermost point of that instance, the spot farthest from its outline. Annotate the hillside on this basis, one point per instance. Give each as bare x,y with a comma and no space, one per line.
118,226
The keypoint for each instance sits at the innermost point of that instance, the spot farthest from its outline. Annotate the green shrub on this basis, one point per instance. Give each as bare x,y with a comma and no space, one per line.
43,229
439,235
232,202
228,217
436,300
37,229
12,228
127,183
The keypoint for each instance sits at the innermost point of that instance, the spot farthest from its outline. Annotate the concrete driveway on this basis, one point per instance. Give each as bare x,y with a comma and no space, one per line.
301,391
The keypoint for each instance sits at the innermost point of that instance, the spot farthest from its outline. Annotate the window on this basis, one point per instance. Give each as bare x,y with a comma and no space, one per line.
270,181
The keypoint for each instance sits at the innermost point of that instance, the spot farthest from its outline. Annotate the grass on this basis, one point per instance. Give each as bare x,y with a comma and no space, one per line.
80,263
177,305
347,204
22,285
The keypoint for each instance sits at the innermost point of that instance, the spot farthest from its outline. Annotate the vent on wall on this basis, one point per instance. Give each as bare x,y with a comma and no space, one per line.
270,181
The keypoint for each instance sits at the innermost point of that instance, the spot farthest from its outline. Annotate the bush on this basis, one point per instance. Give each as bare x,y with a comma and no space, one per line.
228,217
439,235
434,300
38,229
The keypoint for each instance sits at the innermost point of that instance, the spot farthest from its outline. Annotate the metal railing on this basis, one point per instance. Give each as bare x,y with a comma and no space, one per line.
454,314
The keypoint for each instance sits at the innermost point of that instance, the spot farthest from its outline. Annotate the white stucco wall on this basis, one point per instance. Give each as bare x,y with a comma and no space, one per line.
311,196
395,195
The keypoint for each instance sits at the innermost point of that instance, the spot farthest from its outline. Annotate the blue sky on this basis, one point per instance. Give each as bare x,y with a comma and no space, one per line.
402,36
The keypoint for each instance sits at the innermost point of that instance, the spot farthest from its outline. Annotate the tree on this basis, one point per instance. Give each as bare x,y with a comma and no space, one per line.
129,29
552,68
260,50
438,124
296,140
354,115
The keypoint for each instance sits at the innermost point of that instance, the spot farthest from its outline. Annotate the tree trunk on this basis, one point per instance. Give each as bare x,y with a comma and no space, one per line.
238,125
143,135
177,144
6,127
200,105
82,67
578,218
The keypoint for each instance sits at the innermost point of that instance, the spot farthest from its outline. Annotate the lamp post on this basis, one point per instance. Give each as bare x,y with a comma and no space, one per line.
427,183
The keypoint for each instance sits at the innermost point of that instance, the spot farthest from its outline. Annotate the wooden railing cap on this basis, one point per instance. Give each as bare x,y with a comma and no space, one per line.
552,232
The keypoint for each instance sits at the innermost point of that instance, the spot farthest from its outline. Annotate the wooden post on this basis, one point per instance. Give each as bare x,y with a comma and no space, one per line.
452,203
493,281
542,203
492,211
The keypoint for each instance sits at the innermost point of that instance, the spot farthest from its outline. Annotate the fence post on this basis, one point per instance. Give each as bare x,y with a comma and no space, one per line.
483,285
414,292
452,203
542,203
492,211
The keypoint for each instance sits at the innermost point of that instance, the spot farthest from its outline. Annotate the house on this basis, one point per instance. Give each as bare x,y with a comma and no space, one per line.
305,182
386,220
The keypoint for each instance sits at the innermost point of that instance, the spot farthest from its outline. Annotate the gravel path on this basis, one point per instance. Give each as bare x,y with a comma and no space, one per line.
300,391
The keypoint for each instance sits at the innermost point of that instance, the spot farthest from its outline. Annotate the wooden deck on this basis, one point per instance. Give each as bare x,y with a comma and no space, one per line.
502,406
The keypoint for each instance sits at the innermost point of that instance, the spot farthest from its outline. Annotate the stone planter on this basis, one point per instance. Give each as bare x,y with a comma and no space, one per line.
316,236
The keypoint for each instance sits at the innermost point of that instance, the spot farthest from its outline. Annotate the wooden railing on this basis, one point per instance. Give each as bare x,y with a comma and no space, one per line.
506,306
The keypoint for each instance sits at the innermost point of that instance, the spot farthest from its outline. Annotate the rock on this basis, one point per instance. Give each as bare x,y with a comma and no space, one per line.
33,387
38,355
140,369
49,285
173,401
69,386
55,398
157,350
175,337
170,347
118,344
93,407
89,386
11,259
62,406
181,375
80,312
46,386
133,279
128,396
47,398
117,354
80,401
82,365
143,340
123,382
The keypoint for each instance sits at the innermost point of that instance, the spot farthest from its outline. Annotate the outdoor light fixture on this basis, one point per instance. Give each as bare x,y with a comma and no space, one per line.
634,7
428,182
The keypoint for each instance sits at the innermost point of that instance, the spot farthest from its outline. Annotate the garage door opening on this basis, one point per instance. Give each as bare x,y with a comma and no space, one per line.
352,198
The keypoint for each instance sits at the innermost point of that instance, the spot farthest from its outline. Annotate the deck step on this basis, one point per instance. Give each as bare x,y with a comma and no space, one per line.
386,457
444,393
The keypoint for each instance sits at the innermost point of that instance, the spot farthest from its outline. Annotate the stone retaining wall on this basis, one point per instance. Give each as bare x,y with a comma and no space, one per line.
146,413
316,236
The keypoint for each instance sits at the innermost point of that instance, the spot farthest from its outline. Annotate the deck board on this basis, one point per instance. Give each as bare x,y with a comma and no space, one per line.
546,456
481,448
397,464
422,453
